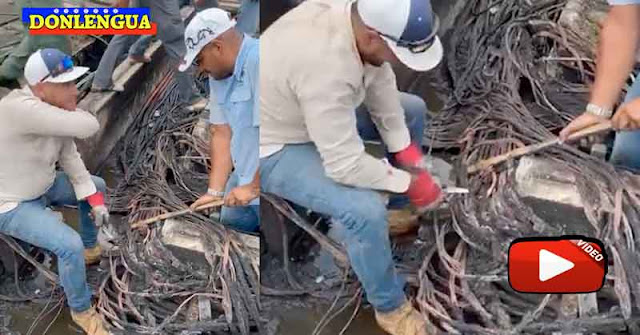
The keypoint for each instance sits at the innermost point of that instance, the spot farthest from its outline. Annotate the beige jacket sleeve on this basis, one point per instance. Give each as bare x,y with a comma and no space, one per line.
383,103
72,164
33,116
327,106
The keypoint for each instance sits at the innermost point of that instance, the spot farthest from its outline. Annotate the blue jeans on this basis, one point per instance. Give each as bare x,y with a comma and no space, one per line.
34,223
242,218
626,147
296,173
415,113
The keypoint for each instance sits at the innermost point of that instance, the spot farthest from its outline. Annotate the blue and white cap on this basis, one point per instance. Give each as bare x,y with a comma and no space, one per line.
408,26
51,66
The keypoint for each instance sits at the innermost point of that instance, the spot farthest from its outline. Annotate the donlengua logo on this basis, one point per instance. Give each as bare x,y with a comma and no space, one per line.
88,21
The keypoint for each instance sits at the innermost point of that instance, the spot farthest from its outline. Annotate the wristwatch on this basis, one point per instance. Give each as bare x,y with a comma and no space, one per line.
599,111
215,193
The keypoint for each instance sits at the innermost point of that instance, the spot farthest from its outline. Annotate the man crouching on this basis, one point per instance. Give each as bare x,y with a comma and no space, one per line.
38,125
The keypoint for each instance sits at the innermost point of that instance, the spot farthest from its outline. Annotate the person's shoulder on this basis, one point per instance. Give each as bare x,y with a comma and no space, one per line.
19,98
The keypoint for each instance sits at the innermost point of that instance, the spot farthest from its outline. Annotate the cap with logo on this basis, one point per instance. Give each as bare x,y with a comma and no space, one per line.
408,26
51,66
204,28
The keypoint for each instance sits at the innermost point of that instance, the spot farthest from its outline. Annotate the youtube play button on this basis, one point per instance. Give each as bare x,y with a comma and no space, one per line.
551,265
567,264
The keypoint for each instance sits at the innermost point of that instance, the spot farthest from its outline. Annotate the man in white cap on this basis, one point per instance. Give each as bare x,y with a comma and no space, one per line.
38,125
319,63
231,59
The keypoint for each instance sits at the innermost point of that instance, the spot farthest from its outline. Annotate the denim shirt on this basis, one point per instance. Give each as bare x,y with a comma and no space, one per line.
236,105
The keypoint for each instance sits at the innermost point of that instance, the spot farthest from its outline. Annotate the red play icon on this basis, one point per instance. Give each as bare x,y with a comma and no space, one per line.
567,264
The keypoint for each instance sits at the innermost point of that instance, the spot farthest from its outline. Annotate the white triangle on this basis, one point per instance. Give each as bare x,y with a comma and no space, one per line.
551,265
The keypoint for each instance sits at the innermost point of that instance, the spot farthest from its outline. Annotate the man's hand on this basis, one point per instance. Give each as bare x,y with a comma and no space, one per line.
423,190
99,211
581,122
241,196
100,215
628,116
203,200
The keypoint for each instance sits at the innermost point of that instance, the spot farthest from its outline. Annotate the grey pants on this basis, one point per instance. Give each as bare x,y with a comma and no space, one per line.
166,14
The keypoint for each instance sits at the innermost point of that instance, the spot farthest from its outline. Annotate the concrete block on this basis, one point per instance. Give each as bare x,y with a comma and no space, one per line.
551,192
178,234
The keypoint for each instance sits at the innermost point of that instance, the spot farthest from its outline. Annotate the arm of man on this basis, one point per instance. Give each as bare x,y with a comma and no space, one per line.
616,57
221,164
244,194
39,118
383,103
327,105
122,3
74,167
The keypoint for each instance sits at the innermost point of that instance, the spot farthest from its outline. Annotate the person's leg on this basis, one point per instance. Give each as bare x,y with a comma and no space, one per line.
140,46
33,223
61,193
296,174
241,218
626,147
166,14
116,48
249,17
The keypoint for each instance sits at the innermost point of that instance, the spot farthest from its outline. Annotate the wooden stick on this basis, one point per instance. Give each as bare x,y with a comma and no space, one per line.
170,215
529,149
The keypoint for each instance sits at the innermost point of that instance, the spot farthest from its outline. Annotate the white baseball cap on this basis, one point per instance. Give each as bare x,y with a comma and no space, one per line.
204,28
51,66
408,26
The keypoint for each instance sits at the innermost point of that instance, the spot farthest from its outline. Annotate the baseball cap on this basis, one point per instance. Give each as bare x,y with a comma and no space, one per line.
204,28
51,66
408,26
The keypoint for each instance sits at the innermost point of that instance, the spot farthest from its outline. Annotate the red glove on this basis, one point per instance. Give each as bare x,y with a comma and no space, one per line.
96,199
423,190
410,156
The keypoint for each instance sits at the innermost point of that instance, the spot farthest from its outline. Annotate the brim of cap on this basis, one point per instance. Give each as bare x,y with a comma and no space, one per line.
192,54
66,77
423,61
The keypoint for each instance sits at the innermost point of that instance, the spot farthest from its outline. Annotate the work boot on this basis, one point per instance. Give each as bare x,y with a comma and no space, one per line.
90,322
402,221
405,320
92,255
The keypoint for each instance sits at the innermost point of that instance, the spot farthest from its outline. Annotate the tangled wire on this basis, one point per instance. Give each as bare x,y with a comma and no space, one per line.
149,288
512,68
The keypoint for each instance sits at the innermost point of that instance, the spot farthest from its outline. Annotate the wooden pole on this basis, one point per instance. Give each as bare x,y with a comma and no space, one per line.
170,215
529,149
